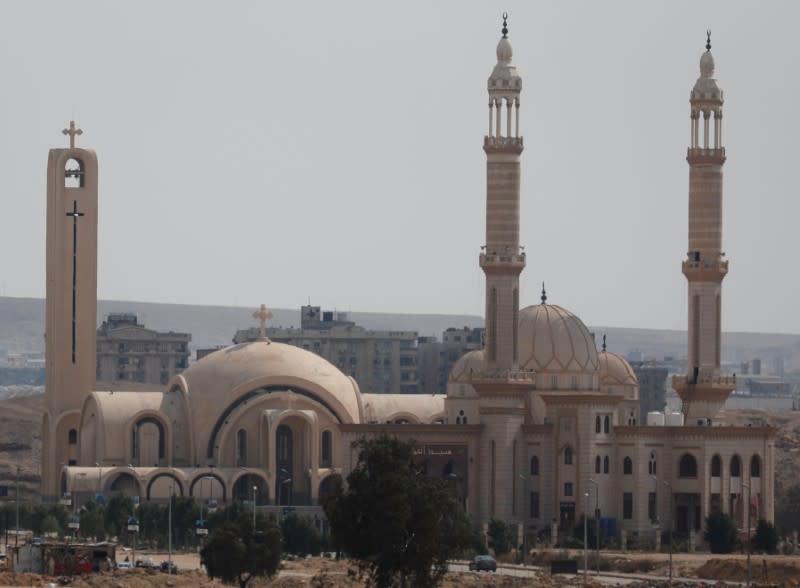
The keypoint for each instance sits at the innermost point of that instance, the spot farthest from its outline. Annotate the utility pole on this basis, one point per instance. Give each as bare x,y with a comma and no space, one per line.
586,541
16,505
169,530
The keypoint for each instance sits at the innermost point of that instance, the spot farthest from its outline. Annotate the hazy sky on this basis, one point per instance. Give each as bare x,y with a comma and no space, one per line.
274,151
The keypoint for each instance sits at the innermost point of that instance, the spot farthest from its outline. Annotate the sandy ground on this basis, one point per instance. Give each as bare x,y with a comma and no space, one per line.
326,573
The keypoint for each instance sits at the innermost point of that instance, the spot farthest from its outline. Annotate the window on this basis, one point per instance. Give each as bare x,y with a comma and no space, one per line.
534,505
755,467
534,466
716,467
651,465
606,424
736,466
555,382
568,456
605,464
73,436
687,467
651,506
627,466
627,506
568,489
597,465
241,447
597,424
325,459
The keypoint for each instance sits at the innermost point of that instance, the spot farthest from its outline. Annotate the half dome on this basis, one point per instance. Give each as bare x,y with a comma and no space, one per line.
615,371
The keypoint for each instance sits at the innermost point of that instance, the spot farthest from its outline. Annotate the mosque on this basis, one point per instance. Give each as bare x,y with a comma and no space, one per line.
536,428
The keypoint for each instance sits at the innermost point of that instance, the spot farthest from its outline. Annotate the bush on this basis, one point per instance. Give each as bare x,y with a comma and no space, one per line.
720,533
499,537
766,537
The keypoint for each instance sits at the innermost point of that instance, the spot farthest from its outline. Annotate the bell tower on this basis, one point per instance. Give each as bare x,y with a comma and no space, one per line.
703,390
71,308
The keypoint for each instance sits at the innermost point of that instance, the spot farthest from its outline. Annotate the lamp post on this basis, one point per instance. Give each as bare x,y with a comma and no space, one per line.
596,524
169,529
16,505
671,515
748,532
255,489
586,540
99,480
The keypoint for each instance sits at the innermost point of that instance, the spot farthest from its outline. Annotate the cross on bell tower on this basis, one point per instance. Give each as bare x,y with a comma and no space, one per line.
263,314
72,131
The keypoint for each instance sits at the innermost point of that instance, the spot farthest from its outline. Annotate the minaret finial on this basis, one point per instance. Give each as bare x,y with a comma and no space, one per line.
505,25
544,295
604,342
708,40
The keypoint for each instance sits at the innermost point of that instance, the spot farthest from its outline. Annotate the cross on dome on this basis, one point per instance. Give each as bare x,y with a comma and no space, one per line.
72,131
263,314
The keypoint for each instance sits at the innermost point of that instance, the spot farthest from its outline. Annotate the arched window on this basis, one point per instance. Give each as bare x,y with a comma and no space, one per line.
241,447
568,456
736,466
605,464
716,467
597,465
606,424
73,436
325,458
73,173
534,466
597,424
755,467
627,466
651,465
687,467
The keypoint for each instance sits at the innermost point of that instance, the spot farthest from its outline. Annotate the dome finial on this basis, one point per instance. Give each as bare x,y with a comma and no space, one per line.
604,342
505,25
544,295
708,40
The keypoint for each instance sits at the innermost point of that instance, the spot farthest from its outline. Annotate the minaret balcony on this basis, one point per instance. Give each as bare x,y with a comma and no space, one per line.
503,144
705,271
705,155
500,261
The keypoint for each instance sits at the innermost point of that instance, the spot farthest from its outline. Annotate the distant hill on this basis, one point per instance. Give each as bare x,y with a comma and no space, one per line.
22,329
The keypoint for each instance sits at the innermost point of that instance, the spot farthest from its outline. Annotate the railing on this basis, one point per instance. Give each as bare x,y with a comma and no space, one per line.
502,142
703,152
705,380
504,376
494,257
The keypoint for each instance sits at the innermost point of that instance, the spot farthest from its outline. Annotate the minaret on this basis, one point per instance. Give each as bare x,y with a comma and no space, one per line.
703,391
501,388
71,309
502,261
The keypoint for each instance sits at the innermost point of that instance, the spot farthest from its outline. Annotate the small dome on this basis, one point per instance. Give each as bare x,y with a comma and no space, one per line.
707,65
615,371
469,363
552,339
504,51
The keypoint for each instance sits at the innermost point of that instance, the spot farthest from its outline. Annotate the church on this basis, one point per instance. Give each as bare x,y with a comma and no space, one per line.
537,428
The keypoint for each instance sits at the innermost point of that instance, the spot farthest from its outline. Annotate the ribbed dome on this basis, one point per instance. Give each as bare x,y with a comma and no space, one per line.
552,339
615,371
466,365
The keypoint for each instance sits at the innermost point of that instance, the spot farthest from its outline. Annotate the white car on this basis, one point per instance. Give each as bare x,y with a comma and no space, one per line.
124,565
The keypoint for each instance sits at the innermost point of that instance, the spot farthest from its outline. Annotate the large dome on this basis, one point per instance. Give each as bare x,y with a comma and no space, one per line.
553,340
467,364
222,378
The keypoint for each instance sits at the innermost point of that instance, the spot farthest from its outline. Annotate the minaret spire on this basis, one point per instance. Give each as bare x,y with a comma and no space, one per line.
505,25
704,390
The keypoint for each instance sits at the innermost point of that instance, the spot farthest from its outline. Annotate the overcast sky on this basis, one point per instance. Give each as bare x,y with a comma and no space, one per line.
280,151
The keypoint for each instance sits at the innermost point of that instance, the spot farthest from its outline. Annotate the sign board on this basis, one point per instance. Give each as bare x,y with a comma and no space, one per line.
133,528
65,502
201,532
74,525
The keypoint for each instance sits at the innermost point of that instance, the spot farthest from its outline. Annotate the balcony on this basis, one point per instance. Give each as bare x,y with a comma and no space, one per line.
713,381
503,144
517,376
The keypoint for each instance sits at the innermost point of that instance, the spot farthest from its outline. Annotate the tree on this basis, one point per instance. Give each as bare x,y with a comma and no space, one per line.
766,537
591,532
236,553
500,539
720,533
400,525
300,536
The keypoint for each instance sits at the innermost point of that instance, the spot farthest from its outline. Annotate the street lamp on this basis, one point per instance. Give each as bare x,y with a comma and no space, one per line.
16,505
255,489
596,523
169,530
748,532
671,515
99,480
585,540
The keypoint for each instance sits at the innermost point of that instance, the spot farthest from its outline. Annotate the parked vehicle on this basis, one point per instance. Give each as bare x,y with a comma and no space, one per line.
165,567
483,563
124,565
